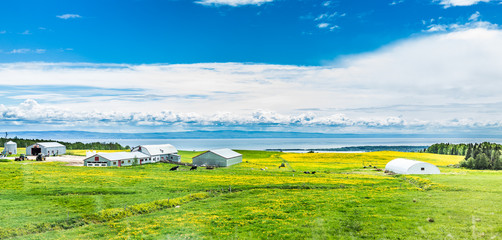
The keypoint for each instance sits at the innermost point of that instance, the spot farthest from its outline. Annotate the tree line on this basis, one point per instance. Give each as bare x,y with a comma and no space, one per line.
21,143
477,156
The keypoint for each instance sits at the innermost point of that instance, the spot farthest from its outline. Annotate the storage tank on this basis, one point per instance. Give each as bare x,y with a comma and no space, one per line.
10,148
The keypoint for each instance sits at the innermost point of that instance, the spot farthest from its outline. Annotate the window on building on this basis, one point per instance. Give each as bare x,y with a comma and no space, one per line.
122,161
96,158
114,163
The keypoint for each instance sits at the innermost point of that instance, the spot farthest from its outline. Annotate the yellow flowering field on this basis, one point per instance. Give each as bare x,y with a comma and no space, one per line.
309,161
252,200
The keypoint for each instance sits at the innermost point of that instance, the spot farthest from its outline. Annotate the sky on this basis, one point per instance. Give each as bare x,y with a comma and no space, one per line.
338,66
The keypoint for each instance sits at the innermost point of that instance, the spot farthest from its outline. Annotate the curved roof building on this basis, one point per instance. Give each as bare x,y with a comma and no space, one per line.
407,166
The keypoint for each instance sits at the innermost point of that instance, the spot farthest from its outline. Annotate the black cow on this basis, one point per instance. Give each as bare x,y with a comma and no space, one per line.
174,168
193,168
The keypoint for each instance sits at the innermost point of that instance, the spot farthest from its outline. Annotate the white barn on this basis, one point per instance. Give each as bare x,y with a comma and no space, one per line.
159,153
407,166
116,159
219,157
46,148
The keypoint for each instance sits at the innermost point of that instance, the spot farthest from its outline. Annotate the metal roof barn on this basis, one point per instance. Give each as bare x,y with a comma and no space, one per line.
219,157
46,148
162,152
10,147
407,166
156,149
116,159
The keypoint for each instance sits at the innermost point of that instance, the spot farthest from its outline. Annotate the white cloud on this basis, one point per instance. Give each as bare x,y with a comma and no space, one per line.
430,83
453,3
26,32
395,2
473,22
233,3
475,16
20,50
27,50
3,32
323,25
68,16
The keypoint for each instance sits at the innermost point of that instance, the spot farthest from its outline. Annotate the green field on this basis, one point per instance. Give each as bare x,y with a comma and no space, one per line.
251,200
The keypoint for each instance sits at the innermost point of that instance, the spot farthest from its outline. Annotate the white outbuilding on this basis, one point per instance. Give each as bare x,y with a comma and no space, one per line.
46,148
116,159
10,148
218,157
407,166
159,153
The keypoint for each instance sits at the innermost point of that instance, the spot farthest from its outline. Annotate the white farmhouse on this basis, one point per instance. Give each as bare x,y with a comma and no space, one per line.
115,159
407,166
139,155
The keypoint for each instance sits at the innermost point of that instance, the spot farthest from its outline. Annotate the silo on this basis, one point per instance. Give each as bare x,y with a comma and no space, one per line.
10,147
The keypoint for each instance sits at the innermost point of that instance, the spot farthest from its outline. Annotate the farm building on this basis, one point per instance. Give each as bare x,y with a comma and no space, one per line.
10,148
116,159
46,148
407,166
162,153
219,157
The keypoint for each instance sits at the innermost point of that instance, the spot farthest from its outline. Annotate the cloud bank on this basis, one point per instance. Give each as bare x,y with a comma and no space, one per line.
441,82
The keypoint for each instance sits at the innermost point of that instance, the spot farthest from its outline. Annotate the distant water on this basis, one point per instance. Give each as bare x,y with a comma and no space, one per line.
287,143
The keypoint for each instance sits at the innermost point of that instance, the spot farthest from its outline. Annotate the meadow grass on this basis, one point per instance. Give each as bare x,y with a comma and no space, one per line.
343,200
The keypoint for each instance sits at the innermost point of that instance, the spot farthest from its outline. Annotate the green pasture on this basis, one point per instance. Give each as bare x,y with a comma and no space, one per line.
252,200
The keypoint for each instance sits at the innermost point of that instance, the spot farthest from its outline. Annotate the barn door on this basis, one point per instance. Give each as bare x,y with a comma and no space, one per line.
120,163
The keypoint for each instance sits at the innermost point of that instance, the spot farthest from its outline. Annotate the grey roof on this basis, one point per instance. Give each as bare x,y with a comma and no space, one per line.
10,142
49,144
160,149
112,156
226,153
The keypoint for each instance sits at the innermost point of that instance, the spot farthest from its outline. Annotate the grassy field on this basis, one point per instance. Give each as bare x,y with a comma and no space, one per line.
251,200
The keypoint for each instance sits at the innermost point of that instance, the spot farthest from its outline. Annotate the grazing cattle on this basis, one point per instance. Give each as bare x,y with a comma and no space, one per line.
174,168
193,168
306,172
313,172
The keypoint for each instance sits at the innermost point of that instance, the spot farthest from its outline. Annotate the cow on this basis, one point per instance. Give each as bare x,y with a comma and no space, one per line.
174,168
193,168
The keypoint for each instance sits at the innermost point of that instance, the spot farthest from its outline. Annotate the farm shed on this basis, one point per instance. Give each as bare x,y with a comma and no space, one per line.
219,157
115,159
159,153
407,166
46,148
10,148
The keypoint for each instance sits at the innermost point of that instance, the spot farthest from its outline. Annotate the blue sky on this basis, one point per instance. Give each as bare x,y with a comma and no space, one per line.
390,66
163,31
